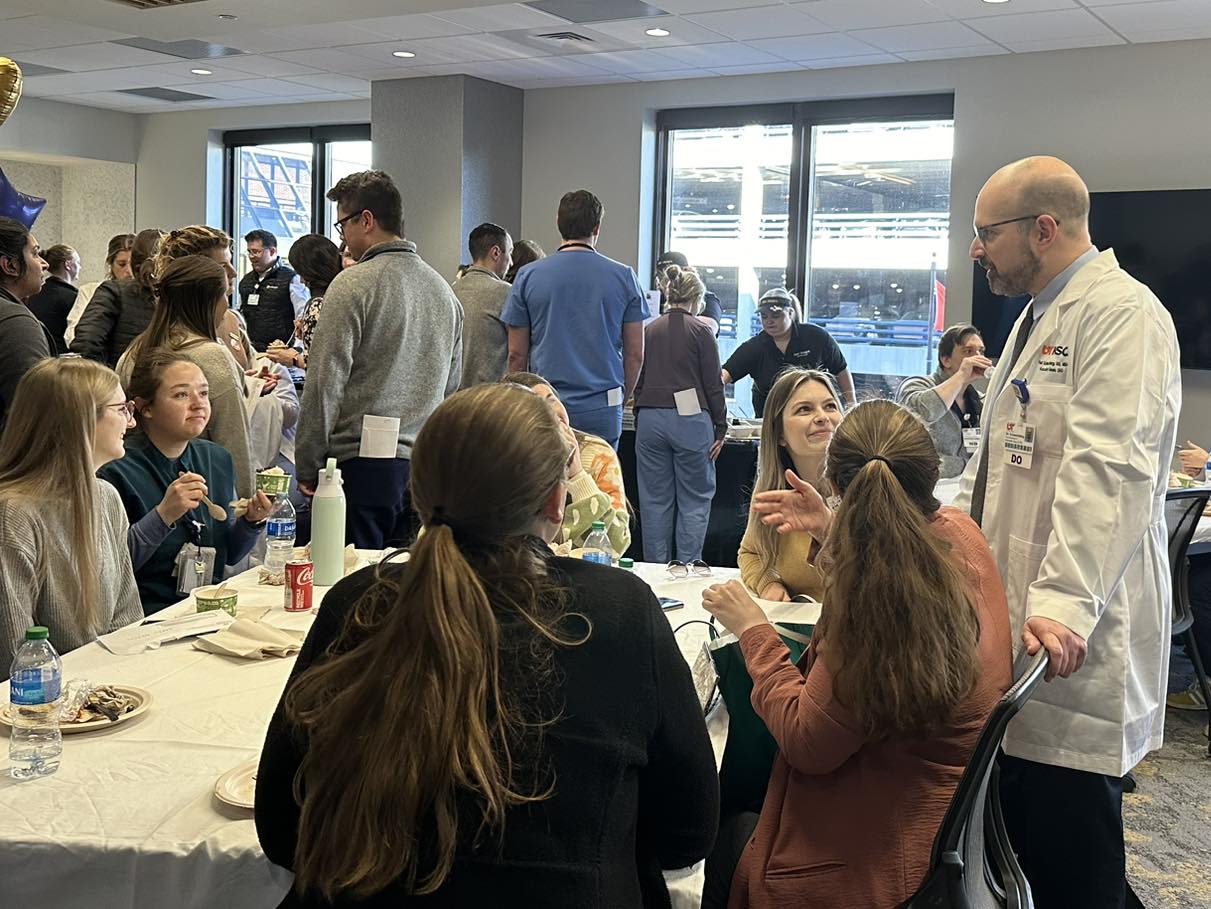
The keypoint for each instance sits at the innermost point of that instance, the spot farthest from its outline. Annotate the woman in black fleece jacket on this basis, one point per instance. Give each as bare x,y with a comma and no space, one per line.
487,724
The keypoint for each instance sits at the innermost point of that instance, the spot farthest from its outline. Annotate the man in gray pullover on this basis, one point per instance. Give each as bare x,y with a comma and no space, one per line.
387,350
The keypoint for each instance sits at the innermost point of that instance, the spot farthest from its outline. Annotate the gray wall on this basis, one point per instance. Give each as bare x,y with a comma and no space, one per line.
1125,117
41,127
454,147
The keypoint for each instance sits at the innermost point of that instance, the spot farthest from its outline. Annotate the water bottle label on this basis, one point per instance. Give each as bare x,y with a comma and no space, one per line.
596,555
282,529
30,687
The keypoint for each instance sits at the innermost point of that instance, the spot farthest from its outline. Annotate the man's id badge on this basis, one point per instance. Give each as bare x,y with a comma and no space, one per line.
971,439
1019,444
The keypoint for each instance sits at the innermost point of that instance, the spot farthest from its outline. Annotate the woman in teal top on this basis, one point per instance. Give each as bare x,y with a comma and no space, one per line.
163,477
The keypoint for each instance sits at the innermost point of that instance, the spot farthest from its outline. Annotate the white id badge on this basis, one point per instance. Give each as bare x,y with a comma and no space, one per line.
380,437
191,570
613,397
253,300
1019,444
971,439
687,402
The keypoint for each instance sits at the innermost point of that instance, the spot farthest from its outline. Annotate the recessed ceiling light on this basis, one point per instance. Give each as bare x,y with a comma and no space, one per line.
227,17
996,1
657,32
404,55
202,72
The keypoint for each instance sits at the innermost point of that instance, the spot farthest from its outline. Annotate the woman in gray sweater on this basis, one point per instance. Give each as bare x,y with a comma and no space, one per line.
64,561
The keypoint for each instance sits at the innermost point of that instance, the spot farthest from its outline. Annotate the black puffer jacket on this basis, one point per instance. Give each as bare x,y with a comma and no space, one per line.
118,312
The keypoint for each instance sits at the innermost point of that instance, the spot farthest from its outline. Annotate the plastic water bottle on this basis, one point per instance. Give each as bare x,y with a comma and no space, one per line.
328,527
597,545
279,535
35,679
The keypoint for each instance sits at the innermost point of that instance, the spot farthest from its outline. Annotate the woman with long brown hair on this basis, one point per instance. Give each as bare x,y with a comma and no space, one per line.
120,308
911,653
63,557
801,413
192,293
117,267
446,737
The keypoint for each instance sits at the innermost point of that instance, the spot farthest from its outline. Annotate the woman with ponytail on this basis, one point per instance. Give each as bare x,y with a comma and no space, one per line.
487,724
911,653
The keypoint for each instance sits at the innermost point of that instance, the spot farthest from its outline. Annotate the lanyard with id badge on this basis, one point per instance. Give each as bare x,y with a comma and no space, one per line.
194,564
1019,434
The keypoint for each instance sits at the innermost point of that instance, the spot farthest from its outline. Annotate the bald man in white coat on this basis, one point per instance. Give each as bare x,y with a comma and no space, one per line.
1069,486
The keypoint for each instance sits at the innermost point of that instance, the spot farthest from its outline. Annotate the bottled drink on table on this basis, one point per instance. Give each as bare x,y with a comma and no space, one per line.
35,679
279,534
597,545
328,526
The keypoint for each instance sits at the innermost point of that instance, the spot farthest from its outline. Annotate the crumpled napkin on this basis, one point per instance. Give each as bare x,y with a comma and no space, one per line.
251,640
265,576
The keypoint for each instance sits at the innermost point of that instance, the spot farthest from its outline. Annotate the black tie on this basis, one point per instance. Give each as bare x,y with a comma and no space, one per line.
1019,344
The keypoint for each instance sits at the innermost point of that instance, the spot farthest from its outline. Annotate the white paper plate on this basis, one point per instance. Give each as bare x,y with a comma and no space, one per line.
140,696
238,785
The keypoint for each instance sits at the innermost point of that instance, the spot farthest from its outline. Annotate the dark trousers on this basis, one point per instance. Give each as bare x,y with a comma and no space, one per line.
378,508
1066,827
1199,581
735,831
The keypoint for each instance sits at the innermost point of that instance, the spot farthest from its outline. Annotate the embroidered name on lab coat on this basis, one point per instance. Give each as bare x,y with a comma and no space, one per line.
1053,358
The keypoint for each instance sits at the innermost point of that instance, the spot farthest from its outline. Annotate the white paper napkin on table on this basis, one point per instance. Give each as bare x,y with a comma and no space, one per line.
251,640
137,638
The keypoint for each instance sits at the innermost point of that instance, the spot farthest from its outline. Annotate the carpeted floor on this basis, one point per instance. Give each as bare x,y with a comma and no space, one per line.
1168,819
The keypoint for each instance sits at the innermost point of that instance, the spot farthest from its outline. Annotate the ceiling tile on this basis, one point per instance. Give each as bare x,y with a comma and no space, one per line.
1050,26
605,79
681,31
762,22
370,56
337,60
780,66
683,7
669,75
921,37
1138,18
116,101
71,83
499,18
265,66
978,9
588,11
472,48
30,33
636,61
809,47
1168,34
1097,3
713,56
857,60
300,37
333,82
265,89
179,73
1051,44
85,57
953,53
846,14
418,25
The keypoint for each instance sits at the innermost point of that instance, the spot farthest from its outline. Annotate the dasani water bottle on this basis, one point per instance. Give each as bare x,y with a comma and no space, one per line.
35,680
279,535
597,545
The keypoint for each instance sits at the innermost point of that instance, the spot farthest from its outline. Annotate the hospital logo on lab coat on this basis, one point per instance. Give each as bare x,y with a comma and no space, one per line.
1053,358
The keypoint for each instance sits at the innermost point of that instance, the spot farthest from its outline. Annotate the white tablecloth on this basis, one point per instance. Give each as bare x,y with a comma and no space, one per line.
131,819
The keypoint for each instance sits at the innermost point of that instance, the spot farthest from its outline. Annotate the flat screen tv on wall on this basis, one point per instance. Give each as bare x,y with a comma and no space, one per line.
1163,238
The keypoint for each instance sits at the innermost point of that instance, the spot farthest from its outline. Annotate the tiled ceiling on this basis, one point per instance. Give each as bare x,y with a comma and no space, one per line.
81,51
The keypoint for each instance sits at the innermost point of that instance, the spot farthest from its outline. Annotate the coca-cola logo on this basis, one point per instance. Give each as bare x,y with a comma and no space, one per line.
303,575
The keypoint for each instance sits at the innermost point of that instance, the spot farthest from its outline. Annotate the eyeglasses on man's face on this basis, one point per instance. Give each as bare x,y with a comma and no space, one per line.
985,234
340,224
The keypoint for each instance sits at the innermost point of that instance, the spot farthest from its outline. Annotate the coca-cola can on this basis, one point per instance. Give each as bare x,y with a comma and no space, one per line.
298,585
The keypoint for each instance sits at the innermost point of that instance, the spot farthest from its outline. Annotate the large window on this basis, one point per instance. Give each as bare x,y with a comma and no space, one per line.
277,180
846,203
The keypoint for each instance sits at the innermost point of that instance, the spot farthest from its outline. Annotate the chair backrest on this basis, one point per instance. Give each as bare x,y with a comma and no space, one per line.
956,876
1183,508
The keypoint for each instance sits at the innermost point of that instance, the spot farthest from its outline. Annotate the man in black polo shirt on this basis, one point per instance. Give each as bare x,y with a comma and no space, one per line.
785,341
265,298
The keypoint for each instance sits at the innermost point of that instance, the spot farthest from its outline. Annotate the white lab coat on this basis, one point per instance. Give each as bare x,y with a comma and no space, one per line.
1080,537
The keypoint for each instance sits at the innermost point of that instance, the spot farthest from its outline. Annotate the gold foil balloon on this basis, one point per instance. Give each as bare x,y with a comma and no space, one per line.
10,87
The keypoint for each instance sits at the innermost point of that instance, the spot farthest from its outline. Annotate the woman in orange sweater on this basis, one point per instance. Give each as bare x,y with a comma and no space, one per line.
910,655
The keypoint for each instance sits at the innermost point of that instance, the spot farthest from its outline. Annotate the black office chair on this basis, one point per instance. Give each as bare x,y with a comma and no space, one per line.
1183,508
973,865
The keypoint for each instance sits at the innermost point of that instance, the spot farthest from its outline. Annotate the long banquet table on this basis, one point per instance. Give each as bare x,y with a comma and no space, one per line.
131,818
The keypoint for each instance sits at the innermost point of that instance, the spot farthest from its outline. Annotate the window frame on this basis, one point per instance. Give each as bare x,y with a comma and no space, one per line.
318,136
803,116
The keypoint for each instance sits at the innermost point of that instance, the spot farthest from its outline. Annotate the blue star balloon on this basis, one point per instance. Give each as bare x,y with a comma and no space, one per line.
17,205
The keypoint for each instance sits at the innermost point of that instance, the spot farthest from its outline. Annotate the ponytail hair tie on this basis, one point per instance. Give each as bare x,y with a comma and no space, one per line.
879,458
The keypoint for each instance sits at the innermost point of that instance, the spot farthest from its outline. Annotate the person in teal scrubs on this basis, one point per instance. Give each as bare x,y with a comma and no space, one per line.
164,475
